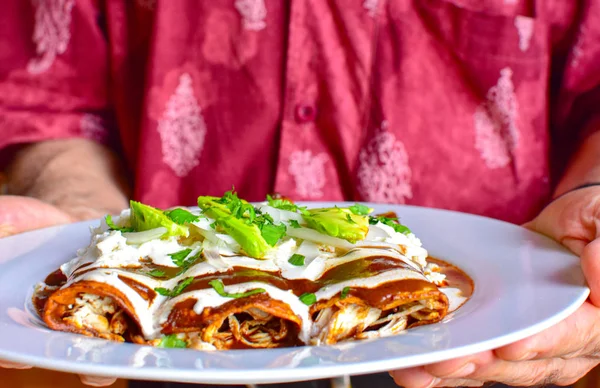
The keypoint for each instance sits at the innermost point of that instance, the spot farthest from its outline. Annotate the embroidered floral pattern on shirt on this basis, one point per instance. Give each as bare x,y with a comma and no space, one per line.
496,131
577,51
371,7
253,13
93,127
182,129
384,173
308,171
51,32
525,28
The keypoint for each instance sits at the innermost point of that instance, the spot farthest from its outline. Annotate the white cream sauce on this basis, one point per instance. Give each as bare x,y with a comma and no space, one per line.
109,254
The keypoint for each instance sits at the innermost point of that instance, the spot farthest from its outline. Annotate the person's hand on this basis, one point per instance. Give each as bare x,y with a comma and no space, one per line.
20,214
560,355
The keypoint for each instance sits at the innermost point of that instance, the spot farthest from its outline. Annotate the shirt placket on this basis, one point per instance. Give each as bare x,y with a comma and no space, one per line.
304,170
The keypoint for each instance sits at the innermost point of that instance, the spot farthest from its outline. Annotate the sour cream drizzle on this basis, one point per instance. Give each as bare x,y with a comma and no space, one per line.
109,255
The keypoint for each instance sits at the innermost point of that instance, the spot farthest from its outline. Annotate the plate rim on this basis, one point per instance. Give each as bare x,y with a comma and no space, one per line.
278,375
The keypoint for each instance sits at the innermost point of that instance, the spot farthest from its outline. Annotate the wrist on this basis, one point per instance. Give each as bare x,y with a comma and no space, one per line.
80,177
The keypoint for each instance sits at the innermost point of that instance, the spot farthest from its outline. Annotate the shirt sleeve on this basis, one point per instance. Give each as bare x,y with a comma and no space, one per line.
53,72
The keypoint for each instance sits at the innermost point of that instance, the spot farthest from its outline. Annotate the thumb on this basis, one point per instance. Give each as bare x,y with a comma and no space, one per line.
590,264
19,214
97,381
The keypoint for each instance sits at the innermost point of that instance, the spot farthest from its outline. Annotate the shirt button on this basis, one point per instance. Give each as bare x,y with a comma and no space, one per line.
305,113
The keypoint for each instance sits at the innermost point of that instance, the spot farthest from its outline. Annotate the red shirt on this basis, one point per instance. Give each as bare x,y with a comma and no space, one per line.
458,104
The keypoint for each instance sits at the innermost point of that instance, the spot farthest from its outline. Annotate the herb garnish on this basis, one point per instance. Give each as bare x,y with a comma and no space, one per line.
284,204
181,216
172,341
295,224
177,290
360,210
393,222
344,292
113,226
308,298
350,220
297,260
157,273
218,286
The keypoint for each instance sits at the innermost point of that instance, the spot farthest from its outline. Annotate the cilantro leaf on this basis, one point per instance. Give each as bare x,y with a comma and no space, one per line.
284,204
350,220
272,233
294,224
344,292
157,273
218,286
177,290
179,257
360,210
113,226
308,298
392,222
172,341
188,262
237,207
297,260
181,216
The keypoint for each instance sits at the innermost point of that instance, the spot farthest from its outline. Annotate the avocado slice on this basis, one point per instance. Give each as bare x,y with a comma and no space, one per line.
145,217
247,234
338,222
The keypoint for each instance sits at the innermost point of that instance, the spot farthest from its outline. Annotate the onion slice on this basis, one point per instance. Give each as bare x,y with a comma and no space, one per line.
137,238
314,236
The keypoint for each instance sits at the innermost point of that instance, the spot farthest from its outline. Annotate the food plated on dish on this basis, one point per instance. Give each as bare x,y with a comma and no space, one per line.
234,275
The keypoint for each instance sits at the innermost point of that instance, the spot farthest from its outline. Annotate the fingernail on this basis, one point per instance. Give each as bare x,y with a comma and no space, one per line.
434,382
466,370
528,356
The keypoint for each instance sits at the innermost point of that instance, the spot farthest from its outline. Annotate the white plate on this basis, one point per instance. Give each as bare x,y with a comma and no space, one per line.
524,283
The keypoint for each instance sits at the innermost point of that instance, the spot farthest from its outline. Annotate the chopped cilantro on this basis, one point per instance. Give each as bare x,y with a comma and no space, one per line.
392,222
172,341
284,204
218,286
181,216
188,262
297,260
350,220
179,257
157,273
238,207
177,290
294,224
113,226
272,233
214,225
360,210
308,298
344,292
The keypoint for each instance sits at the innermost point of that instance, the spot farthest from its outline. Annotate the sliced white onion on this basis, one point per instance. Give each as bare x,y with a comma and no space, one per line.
309,250
280,215
137,238
313,235
212,255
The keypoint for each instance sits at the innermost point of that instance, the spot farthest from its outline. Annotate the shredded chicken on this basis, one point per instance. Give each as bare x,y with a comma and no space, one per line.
255,329
342,322
97,313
